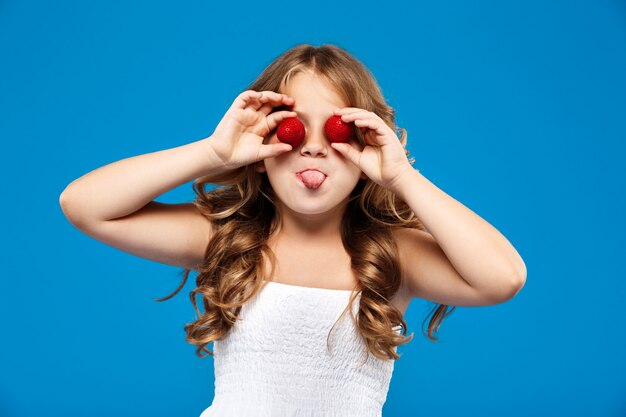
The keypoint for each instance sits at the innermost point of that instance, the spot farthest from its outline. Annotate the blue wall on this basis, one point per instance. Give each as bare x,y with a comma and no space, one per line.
517,109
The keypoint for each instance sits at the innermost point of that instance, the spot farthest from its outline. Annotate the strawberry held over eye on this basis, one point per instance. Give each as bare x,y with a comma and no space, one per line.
337,130
291,131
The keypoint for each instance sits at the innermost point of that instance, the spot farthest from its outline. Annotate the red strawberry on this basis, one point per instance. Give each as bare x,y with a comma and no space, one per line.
291,131
337,130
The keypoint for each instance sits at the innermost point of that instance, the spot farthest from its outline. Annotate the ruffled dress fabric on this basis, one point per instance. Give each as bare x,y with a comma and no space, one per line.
275,361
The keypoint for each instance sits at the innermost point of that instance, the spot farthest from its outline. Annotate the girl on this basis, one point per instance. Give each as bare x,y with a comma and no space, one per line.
281,259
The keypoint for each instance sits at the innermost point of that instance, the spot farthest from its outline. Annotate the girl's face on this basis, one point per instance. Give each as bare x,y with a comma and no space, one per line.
314,104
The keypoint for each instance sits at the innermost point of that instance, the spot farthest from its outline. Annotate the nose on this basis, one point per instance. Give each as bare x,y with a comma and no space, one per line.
314,143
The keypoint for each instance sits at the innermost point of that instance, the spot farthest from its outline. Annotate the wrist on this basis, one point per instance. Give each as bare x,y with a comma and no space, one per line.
210,154
405,182
212,159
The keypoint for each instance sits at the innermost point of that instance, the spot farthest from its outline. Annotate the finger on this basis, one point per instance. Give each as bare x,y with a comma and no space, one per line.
257,103
364,120
272,150
346,110
348,151
266,108
376,128
275,118
271,99
367,137
245,98
275,97
280,101
350,117
256,99
368,123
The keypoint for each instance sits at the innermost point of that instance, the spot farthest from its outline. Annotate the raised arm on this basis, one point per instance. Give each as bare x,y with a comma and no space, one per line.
114,204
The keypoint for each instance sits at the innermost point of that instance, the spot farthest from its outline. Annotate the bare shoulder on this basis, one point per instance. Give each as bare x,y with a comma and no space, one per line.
173,234
427,273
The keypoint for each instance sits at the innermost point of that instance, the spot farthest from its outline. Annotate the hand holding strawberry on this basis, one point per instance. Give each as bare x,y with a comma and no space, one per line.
383,159
238,138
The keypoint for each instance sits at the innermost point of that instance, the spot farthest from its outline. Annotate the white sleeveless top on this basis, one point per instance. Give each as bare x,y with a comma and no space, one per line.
275,362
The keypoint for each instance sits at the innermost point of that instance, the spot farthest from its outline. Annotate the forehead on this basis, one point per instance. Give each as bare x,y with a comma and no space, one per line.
312,91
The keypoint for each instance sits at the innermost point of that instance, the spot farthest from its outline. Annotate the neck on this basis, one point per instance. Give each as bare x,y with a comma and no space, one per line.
312,229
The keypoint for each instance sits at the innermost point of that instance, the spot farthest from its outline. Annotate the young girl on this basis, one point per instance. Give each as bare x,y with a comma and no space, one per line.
281,258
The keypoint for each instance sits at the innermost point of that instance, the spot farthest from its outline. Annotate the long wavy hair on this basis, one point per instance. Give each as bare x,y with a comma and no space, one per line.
243,215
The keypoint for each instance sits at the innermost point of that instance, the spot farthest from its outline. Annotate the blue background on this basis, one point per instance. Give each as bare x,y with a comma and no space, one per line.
517,109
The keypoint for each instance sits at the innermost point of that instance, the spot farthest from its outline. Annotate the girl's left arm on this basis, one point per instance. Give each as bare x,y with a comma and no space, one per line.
477,250
476,263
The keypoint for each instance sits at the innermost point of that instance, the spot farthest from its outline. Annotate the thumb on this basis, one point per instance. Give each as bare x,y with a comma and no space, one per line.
348,151
272,150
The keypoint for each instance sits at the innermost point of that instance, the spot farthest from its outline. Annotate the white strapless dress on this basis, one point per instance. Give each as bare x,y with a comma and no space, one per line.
275,362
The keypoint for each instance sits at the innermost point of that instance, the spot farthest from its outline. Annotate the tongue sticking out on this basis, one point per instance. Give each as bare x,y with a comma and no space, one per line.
312,179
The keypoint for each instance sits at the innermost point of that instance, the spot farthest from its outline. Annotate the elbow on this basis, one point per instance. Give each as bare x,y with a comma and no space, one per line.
520,278
509,288
64,203
516,285
506,290
63,199
69,210
516,279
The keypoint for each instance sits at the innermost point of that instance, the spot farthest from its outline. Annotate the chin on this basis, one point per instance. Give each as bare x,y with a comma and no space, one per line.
307,206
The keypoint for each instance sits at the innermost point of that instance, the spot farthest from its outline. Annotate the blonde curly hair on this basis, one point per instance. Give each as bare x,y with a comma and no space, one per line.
243,214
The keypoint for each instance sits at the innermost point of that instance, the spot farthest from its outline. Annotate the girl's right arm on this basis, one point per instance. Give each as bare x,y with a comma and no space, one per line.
115,203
